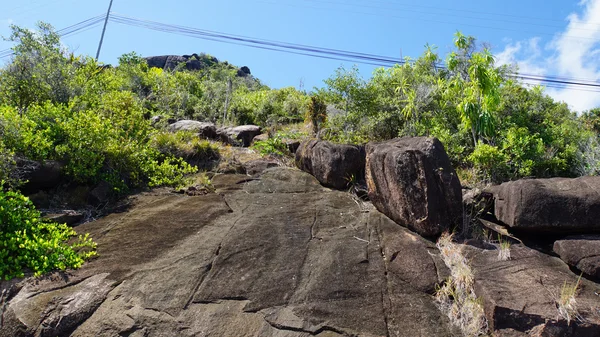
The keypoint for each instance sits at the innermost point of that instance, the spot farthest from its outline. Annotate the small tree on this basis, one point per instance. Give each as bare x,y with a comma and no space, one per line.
317,113
475,81
39,71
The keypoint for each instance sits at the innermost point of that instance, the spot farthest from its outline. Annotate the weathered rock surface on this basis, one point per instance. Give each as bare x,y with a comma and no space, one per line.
412,181
334,165
239,135
555,205
520,295
255,167
274,256
581,252
203,129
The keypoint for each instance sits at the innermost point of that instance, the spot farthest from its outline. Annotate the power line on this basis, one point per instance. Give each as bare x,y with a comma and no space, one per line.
67,31
369,5
471,11
298,49
313,51
413,18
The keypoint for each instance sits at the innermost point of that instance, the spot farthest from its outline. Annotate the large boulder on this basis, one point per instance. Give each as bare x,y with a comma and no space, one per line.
192,62
157,61
203,129
238,135
334,165
581,252
555,205
240,263
524,294
412,181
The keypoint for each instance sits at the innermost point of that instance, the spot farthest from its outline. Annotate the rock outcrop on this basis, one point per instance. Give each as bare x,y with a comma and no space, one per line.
581,252
523,294
240,263
203,129
189,62
238,135
334,165
412,181
555,205
258,166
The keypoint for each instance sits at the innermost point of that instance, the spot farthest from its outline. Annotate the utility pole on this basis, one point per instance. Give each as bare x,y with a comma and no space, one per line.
104,30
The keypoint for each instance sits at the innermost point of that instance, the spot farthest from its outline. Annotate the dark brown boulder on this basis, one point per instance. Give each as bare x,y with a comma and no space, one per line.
412,181
239,135
556,205
523,294
581,252
334,165
157,61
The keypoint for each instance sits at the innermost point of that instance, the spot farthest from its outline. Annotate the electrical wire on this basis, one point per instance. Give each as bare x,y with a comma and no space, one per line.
67,31
316,51
298,49
420,19
470,11
460,16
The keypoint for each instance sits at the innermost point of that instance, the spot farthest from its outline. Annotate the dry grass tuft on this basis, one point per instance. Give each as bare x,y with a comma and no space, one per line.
456,297
566,303
504,249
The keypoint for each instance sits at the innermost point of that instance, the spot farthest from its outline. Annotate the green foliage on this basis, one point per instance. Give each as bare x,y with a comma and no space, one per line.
186,145
490,161
270,146
28,242
489,124
269,107
40,69
317,113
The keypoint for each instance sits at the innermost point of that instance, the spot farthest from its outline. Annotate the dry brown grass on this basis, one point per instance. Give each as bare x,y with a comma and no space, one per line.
456,298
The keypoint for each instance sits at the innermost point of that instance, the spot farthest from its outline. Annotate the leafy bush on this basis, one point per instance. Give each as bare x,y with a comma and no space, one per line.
28,242
271,146
489,161
186,145
269,107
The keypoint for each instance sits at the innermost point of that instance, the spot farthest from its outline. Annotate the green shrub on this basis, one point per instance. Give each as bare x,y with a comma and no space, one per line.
271,146
489,161
186,145
28,242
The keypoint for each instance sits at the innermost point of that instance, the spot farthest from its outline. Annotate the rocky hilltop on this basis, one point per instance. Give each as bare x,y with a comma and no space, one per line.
289,252
190,62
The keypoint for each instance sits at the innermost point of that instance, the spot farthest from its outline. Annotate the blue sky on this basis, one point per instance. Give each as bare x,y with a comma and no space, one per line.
553,38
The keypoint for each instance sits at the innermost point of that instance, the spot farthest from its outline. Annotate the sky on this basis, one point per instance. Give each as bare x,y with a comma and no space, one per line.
549,38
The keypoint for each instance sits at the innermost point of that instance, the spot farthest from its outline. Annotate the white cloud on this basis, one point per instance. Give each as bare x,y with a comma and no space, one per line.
573,53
